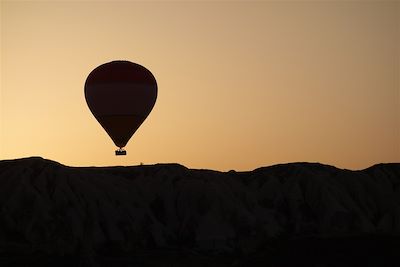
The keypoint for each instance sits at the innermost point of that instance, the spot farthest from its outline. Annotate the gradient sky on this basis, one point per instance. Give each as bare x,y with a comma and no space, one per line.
241,84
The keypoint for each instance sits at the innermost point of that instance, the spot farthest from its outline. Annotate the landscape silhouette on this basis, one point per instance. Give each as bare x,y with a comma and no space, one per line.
297,214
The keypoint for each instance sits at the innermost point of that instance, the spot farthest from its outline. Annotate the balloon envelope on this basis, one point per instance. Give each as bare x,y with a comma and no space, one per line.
120,94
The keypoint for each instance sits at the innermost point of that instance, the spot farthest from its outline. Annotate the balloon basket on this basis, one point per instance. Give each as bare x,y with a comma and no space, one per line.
120,152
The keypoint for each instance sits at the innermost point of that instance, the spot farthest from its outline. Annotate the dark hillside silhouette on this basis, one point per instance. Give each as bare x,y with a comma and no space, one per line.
298,214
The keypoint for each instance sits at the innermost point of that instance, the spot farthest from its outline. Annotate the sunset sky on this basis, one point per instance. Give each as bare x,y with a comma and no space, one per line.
240,84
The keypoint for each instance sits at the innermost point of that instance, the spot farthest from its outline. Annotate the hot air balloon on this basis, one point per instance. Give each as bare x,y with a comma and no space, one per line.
120,94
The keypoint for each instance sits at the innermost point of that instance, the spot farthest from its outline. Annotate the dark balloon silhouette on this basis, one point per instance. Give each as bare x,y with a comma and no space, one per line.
120,94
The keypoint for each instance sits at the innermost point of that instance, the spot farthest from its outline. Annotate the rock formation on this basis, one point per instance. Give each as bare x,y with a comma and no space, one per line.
151,215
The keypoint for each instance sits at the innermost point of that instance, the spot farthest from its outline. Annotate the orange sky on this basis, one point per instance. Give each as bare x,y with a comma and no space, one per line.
241,85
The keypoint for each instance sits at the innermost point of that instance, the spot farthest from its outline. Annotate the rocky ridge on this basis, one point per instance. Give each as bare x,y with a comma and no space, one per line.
46,207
